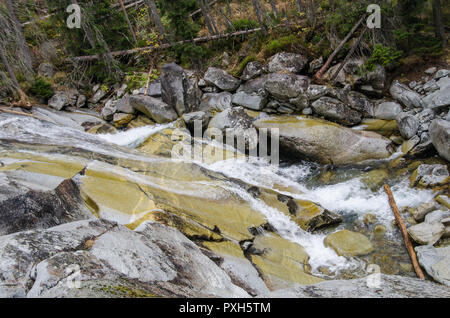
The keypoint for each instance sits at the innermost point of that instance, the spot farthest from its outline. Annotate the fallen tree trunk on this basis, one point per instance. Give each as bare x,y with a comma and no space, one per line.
166,46
401,225
349,54
319,74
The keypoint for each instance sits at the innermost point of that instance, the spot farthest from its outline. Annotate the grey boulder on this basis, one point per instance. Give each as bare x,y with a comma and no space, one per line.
337,111
153,108
404,95
253,101
179,88
436,262
407,124
252,70
284,87
387,110
440,137
221,79
290,62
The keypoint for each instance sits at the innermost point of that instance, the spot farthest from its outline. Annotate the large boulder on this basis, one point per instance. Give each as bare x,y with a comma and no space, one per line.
426,233
285,87
326,142
361,104
387,110
221,79
216,102
234,121
253,101
252,70
59,101
440,137
179,88
430,176
109,110
441,97
290,62
404,95
348,243
436,262
390,287
155,109
407,124
155,259
26,205
337,111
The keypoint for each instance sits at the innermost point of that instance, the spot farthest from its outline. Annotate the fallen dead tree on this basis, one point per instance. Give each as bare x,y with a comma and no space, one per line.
318,75
168,45
401,225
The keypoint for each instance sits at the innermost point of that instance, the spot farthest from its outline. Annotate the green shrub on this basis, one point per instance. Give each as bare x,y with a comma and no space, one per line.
284,43
383,55
243,24
41,88
240,68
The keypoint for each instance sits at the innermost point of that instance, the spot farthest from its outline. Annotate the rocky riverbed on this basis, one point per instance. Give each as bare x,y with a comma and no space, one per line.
97,204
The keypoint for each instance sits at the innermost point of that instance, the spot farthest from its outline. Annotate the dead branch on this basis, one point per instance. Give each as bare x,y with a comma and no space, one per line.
319,74
401,225
166,46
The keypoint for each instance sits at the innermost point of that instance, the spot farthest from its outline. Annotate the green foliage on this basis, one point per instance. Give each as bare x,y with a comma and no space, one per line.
284,43
383,55
136,80
105,24
184,28
243,25
41,88
345,16
240,68
177,12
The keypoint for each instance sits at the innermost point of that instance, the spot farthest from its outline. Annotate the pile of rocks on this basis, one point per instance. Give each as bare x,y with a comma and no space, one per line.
425,121
418,119
433,222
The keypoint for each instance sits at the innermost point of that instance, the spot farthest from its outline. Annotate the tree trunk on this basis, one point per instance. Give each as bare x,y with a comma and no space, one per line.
23,46
437,18
349,54
259,14
230,11
319,74
22,96
206,16
401,225
312,12
130,26
155,16
299,5
274,8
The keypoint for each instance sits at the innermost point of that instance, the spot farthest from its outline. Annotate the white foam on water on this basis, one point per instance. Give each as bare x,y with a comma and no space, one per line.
354,197
132,138
319,254
349,197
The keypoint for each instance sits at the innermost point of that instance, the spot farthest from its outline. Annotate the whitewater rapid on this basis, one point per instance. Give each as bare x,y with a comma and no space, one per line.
350,197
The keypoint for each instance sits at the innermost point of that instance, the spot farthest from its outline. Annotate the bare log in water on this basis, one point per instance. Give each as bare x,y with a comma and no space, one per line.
401,225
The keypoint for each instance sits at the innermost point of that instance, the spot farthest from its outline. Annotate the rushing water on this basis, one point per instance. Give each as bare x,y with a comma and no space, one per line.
349,197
